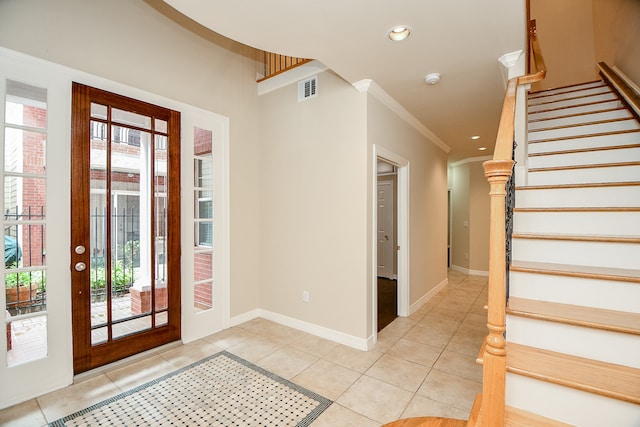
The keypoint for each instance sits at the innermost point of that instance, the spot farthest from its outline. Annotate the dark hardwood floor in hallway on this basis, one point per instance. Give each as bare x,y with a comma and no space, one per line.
387,301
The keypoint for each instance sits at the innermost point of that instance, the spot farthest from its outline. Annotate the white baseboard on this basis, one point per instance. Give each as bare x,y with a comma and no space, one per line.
470,272
244,317
426,297
319,331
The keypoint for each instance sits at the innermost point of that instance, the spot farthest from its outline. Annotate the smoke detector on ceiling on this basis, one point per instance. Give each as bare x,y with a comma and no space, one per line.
432,78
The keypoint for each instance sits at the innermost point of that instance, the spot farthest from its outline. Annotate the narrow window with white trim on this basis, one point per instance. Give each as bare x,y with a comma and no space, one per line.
25,262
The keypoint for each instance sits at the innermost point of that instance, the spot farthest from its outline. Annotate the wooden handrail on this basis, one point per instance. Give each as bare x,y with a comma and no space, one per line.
626,92
498,171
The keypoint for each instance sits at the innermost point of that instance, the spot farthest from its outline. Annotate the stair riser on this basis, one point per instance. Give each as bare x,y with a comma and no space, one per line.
577,109
585,158
615,255
575,120
572,102
586,142
611,347
578,223
585,176
605,294
583,130
623,196
537,95
573,94
568,405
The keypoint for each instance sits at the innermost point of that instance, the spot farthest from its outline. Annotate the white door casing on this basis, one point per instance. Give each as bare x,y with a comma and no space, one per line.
199,323
402,229
55,370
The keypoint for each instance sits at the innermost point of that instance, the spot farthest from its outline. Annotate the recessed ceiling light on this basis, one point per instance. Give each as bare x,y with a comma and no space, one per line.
474,137
482,148
399,33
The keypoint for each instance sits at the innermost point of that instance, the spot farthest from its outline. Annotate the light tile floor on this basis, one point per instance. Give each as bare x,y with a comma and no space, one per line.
422,365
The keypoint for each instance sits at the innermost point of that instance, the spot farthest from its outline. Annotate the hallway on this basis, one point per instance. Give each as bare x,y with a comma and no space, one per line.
423,364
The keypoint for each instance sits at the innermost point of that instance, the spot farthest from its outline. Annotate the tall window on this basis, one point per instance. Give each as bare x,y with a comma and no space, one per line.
25,141
203,219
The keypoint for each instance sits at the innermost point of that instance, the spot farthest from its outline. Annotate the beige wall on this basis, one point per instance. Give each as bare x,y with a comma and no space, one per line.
427,199
460,212
314,236
565,31
130,42
479,207
300,173
577,34
617,35
470,203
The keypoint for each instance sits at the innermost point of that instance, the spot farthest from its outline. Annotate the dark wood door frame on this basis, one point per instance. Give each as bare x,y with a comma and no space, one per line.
85,355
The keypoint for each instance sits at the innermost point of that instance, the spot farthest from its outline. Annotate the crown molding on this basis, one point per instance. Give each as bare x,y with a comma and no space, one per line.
372,88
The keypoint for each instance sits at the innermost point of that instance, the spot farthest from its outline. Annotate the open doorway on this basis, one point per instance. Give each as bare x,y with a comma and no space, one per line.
387,243
383,157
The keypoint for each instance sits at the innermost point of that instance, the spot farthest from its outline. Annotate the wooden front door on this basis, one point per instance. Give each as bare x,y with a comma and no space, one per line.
125,226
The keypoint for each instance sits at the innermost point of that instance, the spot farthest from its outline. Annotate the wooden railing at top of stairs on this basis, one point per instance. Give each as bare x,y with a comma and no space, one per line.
498,171
275,64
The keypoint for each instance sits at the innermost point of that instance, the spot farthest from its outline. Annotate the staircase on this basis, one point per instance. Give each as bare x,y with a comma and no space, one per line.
573,315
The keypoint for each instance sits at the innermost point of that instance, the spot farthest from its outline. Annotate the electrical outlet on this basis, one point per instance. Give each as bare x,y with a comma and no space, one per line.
305,296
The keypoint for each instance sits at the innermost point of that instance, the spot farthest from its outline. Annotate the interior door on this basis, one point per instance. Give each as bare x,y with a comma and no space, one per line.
386,230
125,227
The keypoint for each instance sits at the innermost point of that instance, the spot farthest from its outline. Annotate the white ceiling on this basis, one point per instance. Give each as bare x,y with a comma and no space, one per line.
460,39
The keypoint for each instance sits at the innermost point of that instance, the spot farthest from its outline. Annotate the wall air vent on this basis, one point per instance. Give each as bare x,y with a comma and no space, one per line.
308,88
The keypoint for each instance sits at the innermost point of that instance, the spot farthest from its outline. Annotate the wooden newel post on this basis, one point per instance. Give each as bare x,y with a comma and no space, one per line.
494,359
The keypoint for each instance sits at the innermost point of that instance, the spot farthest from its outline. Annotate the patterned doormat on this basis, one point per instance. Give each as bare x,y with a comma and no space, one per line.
221,390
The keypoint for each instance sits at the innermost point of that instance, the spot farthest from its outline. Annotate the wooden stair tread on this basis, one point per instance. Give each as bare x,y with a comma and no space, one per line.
584,271
586,135
427,422
606,379
577,125
578,238
587,166
568,107
586,113
571,98
581,185
568,88
585,150
589,317
581,209
513,417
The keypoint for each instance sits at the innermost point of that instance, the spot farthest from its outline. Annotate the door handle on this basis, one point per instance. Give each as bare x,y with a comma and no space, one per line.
80,266
80,249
